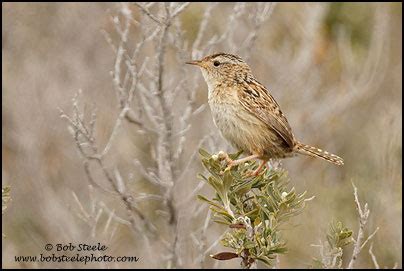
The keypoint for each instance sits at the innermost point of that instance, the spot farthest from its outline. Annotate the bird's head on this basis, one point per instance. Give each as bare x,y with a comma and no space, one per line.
221,68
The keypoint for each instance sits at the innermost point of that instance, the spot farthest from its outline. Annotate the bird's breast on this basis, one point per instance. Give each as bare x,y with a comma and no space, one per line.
235,124
224,105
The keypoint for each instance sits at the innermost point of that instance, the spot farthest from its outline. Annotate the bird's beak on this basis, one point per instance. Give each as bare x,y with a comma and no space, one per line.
195,62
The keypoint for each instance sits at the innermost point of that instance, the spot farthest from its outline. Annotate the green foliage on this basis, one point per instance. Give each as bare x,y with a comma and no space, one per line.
338,236
252,207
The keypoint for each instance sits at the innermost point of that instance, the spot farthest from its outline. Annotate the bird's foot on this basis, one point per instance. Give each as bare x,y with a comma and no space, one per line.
224,156
229,162
258,171
253,173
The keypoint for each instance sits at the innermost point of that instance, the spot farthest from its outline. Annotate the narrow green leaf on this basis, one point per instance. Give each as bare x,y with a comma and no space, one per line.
209,201
204,153
265,260
202,177
227,180
224,222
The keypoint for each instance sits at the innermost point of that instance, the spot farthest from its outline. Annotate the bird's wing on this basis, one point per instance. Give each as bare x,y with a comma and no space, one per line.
256,99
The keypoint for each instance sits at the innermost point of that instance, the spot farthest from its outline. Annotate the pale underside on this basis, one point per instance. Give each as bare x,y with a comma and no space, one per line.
245,129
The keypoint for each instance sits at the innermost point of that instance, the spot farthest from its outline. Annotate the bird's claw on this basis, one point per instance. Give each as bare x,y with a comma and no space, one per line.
229,162
254,173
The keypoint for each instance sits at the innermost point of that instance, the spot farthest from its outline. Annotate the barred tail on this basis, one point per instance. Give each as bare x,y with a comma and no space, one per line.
315,152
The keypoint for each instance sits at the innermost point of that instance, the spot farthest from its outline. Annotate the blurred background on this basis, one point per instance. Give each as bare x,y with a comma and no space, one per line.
334,68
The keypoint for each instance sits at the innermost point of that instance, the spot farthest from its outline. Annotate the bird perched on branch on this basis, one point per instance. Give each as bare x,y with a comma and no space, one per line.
248,116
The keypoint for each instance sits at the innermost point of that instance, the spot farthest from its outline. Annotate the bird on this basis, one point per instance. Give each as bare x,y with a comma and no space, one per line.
248,116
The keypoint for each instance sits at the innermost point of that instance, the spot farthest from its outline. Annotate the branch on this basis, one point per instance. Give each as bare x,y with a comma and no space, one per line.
179,9
146,11
373,257
83,137
263,12
202,28
363,219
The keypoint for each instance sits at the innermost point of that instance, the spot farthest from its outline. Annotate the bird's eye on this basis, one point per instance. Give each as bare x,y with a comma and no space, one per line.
216,63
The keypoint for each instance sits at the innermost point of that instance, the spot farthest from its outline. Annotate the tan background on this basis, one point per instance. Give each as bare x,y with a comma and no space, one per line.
50,51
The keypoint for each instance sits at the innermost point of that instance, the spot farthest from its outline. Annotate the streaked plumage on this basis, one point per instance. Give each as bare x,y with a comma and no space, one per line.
246,113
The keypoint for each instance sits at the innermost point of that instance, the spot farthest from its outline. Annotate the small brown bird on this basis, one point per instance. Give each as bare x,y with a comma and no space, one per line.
247,115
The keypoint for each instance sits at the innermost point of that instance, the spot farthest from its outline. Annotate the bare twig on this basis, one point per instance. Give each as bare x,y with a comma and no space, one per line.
363,219
181,7
262,13
146,11
373,257
82,135
202,28
277,264
367,239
